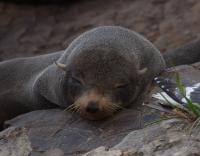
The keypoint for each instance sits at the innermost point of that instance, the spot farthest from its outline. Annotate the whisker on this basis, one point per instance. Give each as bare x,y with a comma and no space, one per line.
109,110
109,107
72,108
77,109
112,107
69,107
120,107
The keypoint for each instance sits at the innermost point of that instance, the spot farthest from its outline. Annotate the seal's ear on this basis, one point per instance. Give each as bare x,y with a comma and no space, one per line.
61,66
142,71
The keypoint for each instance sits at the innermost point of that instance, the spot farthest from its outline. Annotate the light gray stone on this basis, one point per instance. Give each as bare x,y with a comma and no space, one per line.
14,142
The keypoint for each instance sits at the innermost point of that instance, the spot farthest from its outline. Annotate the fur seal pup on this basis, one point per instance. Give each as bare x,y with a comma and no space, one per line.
101,71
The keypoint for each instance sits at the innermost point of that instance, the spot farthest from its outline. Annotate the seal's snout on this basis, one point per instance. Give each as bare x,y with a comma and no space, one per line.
92,107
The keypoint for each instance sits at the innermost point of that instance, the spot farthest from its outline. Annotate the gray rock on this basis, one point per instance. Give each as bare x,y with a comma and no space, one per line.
15,142
50,129
103,151
54,152
167,138
27,30
55,132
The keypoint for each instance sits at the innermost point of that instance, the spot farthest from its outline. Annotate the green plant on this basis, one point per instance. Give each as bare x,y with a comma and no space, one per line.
194,107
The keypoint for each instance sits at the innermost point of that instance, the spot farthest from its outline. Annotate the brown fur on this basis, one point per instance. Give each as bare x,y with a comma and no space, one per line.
106,106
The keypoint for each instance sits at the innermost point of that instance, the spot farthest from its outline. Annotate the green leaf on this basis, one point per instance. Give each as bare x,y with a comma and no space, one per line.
194,108
179,85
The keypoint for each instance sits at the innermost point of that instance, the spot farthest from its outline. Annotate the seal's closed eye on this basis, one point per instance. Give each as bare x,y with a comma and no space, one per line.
122,86
77,81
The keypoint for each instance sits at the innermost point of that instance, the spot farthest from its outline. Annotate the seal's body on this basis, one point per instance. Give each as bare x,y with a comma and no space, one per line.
102,70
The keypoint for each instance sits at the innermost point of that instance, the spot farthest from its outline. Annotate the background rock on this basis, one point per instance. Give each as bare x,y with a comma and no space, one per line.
27,30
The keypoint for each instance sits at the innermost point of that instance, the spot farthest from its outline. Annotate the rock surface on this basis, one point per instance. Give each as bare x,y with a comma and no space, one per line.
57,133
167,138
14,142
27,30
56,129
58,2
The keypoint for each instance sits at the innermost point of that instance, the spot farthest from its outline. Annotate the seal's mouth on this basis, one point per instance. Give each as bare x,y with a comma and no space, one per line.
93,106
94,112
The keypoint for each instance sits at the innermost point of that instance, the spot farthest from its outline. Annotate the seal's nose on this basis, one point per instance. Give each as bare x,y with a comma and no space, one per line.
92,107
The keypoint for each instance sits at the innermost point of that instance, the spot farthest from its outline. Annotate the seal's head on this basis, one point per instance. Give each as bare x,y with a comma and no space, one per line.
100,82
